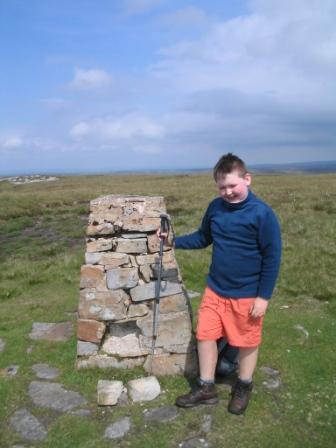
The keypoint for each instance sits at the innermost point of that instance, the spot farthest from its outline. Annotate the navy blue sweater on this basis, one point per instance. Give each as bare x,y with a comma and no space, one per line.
246,247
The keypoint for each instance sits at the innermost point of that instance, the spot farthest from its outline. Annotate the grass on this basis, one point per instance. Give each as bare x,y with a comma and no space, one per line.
42,248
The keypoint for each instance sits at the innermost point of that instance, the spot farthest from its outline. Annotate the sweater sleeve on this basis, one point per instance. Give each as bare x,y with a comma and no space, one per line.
199,239
270,246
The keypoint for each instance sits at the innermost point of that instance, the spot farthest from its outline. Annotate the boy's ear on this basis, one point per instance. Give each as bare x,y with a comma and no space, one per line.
248,179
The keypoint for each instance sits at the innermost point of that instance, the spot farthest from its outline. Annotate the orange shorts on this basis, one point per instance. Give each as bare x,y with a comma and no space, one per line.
230,318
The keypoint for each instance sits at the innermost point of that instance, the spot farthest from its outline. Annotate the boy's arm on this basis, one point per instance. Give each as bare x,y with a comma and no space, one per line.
270,247
196,240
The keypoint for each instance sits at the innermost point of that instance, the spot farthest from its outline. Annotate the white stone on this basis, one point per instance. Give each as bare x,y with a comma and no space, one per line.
108,392
144,389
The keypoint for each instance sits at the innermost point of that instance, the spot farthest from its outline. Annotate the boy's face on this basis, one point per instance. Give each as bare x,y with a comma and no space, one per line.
233,187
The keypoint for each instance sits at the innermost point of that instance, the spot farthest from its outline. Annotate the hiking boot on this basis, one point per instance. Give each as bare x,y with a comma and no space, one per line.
241,393
202,394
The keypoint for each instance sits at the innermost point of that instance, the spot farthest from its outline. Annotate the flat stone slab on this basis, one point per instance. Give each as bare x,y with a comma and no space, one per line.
2,345
54,396
27,425
118,429
58,332
144,389
162,414
45,372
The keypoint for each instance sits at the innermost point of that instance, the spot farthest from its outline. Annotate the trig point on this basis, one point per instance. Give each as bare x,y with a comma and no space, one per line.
118,288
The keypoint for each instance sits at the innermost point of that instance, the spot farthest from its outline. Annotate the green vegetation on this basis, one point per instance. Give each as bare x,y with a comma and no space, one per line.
41,251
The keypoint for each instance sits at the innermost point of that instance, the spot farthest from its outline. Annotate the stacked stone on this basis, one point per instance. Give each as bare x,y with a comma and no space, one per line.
117,291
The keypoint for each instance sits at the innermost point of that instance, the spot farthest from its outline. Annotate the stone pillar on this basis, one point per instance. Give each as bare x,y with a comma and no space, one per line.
117,291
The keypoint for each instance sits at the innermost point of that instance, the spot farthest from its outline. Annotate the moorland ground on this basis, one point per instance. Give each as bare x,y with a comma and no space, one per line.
42,248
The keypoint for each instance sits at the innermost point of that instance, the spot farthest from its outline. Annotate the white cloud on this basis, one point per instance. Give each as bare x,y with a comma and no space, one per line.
12,141
286,54
109,130
90,79
262,80
80,130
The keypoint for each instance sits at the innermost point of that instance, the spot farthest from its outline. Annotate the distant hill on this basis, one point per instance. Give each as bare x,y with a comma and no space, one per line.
303,167
267,168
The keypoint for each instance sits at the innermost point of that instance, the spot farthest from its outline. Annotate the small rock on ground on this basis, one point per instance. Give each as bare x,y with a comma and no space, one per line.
118,429
53,396
206,423
11,370
272,383
161,414
195,443
58,332
45,372
27,425
2,345
304,333
144,389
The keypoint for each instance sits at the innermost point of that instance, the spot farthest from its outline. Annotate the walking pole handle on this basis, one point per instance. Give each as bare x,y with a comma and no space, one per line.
164,224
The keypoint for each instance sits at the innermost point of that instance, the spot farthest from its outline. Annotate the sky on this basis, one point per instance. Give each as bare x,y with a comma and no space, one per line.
165,84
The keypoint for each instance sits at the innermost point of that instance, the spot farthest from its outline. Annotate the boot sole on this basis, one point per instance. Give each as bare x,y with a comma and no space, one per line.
192,405
237,412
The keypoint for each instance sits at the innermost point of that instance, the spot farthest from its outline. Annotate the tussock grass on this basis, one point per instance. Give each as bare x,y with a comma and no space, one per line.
42,248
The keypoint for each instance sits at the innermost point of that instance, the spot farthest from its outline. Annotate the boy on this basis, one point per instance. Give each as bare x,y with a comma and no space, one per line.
246,248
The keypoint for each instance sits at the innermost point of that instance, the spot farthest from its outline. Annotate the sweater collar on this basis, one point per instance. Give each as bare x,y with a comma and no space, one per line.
239,205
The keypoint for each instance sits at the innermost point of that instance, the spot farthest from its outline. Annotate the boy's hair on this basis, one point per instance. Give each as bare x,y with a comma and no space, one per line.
228,163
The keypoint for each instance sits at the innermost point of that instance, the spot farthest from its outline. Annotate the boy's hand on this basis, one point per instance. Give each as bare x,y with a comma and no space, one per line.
160,235
258,309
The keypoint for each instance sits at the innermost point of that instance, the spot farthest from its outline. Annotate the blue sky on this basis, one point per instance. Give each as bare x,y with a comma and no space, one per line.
165,84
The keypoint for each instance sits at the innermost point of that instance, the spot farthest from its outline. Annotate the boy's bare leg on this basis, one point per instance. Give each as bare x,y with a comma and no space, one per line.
248,357
207,356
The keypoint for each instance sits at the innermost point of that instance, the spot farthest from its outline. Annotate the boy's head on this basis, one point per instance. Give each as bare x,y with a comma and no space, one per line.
227,164
232,178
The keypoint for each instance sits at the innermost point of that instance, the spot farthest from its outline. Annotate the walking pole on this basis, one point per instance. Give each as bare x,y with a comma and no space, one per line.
164,229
